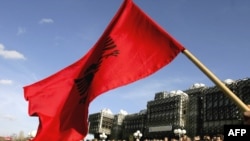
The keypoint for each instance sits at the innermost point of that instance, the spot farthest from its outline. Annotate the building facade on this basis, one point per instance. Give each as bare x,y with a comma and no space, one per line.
200,110
166,112
101,123
118,124
132,123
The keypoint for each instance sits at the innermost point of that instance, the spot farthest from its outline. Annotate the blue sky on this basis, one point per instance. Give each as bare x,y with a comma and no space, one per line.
39,38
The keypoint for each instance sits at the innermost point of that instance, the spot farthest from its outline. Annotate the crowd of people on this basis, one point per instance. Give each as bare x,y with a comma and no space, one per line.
218,137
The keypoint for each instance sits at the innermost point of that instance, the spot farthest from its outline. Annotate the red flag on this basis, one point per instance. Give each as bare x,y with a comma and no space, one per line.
132,47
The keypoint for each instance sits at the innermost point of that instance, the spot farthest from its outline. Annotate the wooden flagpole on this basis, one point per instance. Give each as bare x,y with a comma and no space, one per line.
218,83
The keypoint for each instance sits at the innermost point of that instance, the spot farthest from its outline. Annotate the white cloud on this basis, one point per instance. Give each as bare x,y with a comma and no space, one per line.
10,54
46,21
21,31
6,82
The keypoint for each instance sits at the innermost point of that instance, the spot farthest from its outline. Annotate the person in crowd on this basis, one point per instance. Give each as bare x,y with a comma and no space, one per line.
186,138
206,138
246,116
197,138
173,139
213,138
219,137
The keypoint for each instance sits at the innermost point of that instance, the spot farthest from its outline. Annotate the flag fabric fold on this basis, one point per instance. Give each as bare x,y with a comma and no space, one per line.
132,47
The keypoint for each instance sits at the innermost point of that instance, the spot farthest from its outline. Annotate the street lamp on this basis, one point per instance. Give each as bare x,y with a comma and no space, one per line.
180,132
103,136
137,135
